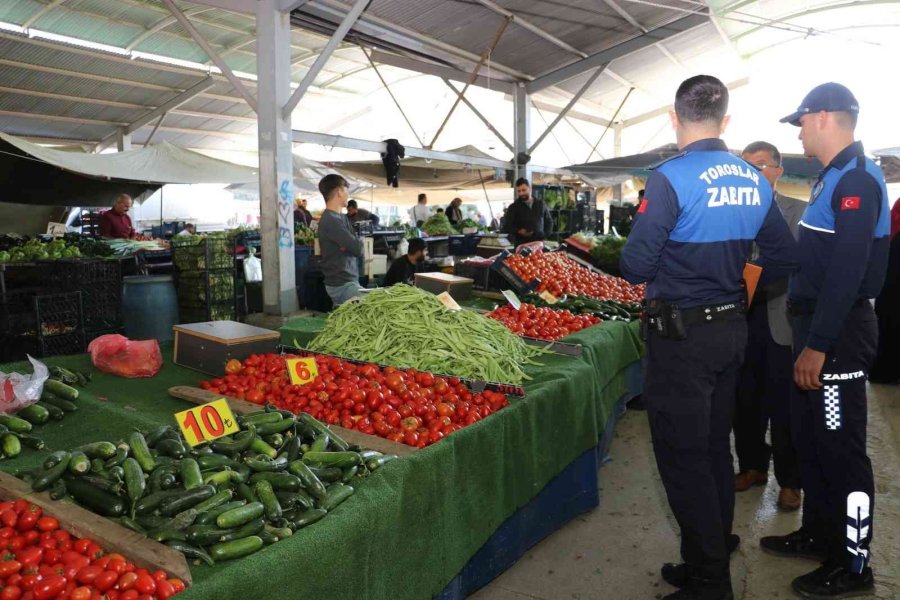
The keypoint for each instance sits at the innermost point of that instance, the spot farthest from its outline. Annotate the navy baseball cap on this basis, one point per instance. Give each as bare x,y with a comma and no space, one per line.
830,97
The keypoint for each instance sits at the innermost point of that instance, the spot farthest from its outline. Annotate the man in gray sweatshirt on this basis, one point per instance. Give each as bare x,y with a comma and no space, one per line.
340,246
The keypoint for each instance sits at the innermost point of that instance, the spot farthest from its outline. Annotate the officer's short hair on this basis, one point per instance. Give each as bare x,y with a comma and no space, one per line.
763,147
331,183
415,245
847,119
702,98
522,181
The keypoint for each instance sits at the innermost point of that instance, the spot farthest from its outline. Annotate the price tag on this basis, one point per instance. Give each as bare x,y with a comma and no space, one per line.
56,229
302,370
512,299
206,423
548,297
448,301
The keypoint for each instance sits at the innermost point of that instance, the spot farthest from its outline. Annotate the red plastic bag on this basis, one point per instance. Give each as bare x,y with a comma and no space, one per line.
120,356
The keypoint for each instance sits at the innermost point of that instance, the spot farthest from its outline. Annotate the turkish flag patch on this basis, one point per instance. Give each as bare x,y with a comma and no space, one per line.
643,207
850,203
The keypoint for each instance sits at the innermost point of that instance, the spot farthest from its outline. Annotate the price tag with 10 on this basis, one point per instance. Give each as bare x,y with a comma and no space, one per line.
207,422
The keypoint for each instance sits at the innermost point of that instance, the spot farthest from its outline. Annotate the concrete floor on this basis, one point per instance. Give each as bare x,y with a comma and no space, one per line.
615,551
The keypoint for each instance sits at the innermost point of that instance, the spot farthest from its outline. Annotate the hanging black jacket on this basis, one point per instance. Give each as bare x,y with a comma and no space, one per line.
391,160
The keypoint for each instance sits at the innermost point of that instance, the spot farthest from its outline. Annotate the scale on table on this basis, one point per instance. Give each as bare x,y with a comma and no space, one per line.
492,244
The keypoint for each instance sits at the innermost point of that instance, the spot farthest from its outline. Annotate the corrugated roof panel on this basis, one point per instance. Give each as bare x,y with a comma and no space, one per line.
88,26
19,11
122,11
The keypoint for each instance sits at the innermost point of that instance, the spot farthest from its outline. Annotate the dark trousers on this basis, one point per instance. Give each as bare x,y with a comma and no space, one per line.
829,427
690,393
763,397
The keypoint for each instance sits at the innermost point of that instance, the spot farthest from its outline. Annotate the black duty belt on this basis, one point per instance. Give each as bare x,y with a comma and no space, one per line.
802,308
714,312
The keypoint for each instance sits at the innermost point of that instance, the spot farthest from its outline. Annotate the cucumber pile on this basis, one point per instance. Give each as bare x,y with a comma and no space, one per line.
219,501
57,399
608,310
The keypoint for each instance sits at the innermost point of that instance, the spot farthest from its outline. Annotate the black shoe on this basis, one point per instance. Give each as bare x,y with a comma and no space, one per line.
703,589
679,574
795,545
833,581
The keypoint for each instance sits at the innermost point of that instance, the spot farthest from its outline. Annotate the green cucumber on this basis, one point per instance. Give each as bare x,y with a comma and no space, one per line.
337,493
61,390
236,548
151,502
99,501
251,528
101,450
34,414
236,445
134,480
241,515
241,474
320,444
320,428
184,500
141,451
268,537
133,525
216,501
167,535
173,448
190,474
215,461
79,464
273,428
308,518
333,459
279,532
206,534
191,551
11,445
328,474
55,458
60,403
245,492
349,474
276,440
312,483
259,446
291,449
48,477
260,418
149,522
266,496
373,464
266,464
209,517
58,490
365,455
280,481
15,424
122,451
31,441
106,485
152,437
218,478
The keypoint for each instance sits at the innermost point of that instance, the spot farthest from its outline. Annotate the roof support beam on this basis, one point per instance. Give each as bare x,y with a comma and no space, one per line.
528,25
226,70
155,127
160,25
391,94
618,51
427,68
163,108
358,8
625,15
572,114
584,88
238,6
616,125
484,57
289,5
478,114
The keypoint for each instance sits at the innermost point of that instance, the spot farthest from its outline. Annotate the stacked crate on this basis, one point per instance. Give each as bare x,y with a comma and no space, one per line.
40,324
204,278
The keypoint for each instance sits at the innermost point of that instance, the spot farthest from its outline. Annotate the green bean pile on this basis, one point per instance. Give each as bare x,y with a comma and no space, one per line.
409,328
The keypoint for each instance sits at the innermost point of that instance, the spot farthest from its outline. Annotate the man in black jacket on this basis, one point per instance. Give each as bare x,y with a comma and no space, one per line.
528,219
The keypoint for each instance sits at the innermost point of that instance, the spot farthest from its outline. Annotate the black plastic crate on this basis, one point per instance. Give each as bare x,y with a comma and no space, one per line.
214,312
28,312
212,287
191,254
56,345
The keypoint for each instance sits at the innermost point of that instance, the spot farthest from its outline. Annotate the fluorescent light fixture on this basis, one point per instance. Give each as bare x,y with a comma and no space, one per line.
55,37
170,61
11,27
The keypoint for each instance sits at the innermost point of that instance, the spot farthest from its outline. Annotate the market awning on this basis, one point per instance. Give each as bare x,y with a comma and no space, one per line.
33,174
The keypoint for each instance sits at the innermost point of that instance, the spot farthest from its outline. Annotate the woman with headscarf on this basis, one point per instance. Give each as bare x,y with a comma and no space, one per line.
454,212
886,368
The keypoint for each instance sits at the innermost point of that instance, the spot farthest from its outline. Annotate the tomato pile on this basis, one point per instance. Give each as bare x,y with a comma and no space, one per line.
543,323
406,406
43,561
560,275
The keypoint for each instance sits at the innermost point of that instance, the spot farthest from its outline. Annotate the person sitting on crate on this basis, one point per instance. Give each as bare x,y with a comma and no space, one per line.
404,268
528,219
115,223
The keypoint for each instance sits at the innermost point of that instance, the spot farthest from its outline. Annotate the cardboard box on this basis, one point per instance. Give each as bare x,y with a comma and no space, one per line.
459,288
206,347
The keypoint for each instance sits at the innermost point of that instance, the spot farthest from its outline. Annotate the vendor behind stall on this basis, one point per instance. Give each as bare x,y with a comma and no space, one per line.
454,212
358,215
115,223
528,219
340,246
404,269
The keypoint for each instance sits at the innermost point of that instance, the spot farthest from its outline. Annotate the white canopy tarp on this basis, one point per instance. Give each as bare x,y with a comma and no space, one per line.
159,163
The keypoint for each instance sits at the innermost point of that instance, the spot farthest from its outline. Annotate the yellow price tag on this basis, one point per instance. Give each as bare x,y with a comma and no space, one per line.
207,422
548,297
302,370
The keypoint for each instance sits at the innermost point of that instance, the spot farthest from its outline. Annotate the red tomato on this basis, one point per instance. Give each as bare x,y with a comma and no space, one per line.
411,438
177,584
127,581
49,587
129,595
47,524
9,567
9,518
30,557
29,581
106,580
145,584
11,592
164,589
88,575
80,593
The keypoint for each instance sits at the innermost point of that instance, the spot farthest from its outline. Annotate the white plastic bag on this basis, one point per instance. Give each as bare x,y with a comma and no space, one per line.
18,391
252,269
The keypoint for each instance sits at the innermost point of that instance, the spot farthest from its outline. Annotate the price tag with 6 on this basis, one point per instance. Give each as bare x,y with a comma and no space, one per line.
302,370
207,422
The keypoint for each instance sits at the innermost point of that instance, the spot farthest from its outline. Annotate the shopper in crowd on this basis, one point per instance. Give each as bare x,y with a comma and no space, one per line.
341,248
439,211
302,216
419,213
528,219
404,268
482,221
691,247
844,238
358,215
188,230
886,368
454,212
115,223
766,378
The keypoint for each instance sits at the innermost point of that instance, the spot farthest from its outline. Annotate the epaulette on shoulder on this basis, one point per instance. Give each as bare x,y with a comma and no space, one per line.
681,154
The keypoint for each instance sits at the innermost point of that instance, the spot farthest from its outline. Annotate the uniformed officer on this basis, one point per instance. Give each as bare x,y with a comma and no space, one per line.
844,237
765,381
702,212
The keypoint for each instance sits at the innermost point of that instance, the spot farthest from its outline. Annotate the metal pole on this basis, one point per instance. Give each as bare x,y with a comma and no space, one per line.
611,121
564,111
396,102
472,76
478,114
